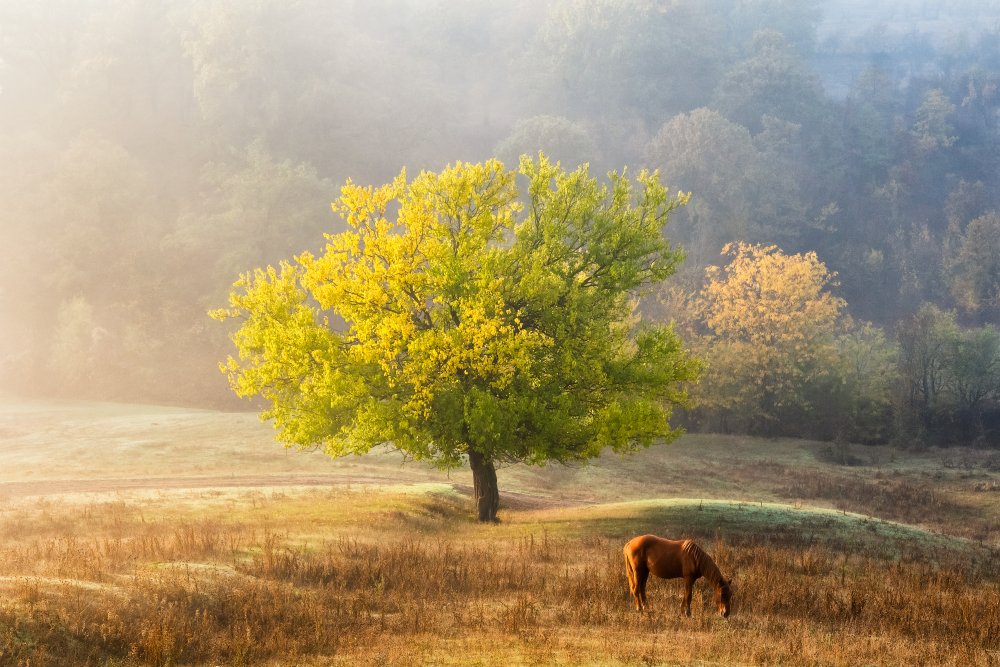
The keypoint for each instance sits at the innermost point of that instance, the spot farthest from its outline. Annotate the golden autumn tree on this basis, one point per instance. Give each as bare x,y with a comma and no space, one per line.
772,327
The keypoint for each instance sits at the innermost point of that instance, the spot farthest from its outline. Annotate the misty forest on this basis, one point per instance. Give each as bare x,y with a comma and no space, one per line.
485,233
156,151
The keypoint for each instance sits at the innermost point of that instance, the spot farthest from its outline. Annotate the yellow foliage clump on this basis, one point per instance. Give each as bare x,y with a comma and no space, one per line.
772,326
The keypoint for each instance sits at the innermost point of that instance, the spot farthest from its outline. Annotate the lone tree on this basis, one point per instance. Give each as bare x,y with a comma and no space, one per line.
454,321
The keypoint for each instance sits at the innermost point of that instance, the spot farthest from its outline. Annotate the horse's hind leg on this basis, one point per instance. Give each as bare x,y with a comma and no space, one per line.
641,575
630,574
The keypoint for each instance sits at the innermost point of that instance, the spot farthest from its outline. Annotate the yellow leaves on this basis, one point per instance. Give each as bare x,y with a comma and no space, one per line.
767,297
365,206
486,344
463,203
774,325
418,293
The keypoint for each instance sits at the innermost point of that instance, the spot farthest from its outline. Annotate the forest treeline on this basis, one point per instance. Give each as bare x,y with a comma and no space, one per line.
153,151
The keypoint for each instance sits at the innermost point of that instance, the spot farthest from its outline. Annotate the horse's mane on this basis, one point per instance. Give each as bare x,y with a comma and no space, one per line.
705,564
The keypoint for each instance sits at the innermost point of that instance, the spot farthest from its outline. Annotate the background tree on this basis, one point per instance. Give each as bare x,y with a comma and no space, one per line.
870,116
772,325
975,269
795,19
950,379
857,399
474,327
745,187
925,342
559,138
257,208
705,153
933,129
973,377
774,82
643,56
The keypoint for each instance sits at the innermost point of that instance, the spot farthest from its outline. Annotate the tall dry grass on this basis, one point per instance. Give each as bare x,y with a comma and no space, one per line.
117,588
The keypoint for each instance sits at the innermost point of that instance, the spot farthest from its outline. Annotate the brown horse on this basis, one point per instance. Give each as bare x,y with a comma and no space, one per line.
670,559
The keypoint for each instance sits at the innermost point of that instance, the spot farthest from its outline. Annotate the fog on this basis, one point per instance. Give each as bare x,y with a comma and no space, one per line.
153,150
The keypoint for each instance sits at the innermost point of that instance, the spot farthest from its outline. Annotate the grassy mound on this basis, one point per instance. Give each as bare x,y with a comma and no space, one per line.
766,523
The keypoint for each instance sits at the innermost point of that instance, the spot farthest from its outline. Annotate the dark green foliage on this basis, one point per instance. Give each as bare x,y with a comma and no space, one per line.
950,379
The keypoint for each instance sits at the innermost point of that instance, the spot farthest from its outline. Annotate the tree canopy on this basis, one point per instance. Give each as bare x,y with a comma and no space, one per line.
772,324
453,320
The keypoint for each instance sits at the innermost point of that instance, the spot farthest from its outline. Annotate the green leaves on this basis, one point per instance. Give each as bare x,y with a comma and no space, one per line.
465,319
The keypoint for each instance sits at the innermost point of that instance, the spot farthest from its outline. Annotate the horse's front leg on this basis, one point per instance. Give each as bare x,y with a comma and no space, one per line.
688,589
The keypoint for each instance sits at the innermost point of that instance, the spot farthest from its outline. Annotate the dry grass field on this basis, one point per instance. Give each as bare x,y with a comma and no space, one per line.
155,536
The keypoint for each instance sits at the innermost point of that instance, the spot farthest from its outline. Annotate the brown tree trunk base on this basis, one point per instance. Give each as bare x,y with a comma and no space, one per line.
486,492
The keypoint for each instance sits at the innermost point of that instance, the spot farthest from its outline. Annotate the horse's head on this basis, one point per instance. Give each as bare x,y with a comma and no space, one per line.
723,597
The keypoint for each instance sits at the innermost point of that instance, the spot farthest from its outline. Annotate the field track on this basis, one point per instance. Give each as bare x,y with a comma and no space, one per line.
112,485
98,487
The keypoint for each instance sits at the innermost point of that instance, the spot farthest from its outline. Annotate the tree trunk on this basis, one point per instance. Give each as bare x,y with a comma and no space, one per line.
486,493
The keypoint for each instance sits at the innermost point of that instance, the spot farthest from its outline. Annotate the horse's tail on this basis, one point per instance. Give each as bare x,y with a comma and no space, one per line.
630,570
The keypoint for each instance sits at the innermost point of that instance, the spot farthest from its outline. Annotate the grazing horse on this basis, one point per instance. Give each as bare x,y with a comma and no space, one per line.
670,559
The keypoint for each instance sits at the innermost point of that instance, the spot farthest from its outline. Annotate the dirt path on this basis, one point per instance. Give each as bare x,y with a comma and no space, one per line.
40,488
63,486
